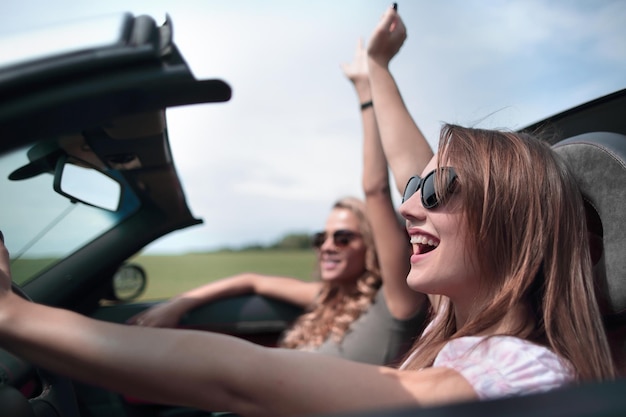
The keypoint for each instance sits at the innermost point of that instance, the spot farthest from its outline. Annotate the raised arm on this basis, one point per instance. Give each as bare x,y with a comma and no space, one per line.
208,371
405,146
170,312
390,237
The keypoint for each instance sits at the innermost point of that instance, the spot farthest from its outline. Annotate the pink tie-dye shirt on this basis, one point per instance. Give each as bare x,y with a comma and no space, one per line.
500,366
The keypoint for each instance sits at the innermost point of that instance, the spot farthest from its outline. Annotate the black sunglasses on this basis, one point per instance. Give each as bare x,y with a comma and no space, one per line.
427,184
341,238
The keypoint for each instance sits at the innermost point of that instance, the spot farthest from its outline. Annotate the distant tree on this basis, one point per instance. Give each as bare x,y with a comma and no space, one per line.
293,241
253,247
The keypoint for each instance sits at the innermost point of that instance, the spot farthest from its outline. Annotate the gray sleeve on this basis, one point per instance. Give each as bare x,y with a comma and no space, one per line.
376,337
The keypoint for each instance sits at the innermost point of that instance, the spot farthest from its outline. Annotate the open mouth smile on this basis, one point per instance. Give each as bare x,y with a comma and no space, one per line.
423,244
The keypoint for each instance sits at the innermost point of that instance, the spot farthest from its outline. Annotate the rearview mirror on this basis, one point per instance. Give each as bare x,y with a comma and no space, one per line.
79,181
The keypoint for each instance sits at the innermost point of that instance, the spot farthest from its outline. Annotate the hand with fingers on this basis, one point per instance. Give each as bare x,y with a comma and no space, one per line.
356,71
388,37
166,314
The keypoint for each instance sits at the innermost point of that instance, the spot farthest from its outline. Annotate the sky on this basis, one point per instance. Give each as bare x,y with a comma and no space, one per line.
273,159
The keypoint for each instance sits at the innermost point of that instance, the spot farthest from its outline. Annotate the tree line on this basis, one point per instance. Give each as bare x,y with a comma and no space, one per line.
291,241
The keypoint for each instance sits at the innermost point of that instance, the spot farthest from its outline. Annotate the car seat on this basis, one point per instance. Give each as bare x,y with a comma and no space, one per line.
598,160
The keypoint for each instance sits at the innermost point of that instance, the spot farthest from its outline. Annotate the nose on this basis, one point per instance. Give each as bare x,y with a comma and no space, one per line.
328,243
413,209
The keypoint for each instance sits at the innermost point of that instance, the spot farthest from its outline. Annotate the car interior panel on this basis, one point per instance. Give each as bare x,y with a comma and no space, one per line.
599,161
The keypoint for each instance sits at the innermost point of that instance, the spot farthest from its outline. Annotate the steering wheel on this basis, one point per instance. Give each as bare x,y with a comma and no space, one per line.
56,396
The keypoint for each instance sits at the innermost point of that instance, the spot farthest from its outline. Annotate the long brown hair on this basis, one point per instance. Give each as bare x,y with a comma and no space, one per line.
525,216
337,306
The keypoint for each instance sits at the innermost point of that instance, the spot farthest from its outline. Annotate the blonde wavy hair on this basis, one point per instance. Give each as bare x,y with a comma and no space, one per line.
524,207
337,306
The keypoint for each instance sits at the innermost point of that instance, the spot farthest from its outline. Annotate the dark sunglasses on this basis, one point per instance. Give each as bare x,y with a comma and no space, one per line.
341,238
427,184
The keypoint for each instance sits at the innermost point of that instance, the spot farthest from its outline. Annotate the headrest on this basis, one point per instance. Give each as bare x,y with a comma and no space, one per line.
598,160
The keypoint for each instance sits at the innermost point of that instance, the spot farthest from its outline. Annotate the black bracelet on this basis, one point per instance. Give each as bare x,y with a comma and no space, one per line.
367,104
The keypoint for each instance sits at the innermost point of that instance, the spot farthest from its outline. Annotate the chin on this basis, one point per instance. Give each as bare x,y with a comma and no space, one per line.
330,277
339,277
418,284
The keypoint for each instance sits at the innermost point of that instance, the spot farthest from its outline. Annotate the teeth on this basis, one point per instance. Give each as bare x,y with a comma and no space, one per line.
423,240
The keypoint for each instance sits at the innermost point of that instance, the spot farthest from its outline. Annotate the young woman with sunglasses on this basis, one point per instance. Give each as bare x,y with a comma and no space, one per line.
348,314
519,314
348,280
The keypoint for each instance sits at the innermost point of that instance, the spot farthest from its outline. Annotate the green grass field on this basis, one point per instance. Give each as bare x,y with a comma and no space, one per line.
169,275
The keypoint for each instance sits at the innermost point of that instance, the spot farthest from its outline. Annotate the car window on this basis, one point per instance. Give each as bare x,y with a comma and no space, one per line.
40,226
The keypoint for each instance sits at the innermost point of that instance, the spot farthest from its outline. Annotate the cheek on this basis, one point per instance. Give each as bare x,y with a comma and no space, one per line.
357,260
452,227
463,251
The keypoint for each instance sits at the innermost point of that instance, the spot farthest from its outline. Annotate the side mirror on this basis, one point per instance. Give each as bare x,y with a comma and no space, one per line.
129,282
79,181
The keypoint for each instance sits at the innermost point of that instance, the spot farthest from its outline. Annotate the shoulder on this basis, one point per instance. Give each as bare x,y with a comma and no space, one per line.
380,309
375,337
504,365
